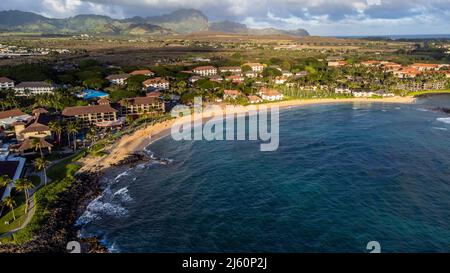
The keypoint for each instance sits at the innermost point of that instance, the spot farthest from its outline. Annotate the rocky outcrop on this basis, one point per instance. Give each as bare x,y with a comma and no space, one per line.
59,228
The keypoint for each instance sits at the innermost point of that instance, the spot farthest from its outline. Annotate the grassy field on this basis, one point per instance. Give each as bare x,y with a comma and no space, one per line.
419,93
64,168
7,223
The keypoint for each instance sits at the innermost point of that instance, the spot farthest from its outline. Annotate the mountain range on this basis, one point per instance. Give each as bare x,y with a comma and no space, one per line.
183,21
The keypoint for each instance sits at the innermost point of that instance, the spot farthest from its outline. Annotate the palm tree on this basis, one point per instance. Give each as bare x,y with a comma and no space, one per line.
91,136
4,182
37,144
72,128
23,184
56,127
10,203
41,164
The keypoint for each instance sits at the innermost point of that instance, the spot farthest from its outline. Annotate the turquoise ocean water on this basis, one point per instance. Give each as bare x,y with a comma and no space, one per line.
344,175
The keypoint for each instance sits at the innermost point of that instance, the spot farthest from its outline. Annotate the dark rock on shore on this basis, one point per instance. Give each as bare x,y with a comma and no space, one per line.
442,109
133,159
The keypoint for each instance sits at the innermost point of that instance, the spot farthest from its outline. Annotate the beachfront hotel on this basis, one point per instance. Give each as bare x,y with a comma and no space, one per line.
142,105
34,88
90,115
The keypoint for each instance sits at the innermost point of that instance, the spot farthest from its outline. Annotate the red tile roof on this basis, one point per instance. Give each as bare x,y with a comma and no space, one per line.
232,92
90,109
5,80
141,72
207,67
11,113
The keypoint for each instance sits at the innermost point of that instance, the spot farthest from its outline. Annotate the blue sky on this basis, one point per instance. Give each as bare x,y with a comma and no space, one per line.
319,17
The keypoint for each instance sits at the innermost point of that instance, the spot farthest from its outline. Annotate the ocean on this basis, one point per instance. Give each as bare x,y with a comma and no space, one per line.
344,175
404,36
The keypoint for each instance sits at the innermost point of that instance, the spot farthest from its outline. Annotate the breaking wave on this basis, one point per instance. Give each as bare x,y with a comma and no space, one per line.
444,120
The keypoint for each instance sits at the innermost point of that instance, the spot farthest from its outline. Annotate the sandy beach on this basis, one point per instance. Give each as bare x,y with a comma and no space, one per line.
137,141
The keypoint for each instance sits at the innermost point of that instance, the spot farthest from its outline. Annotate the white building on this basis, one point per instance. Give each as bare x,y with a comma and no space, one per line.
231,94
364,94
6,83
34,88
118,79
256,67
286,73
205,70
254,99
280,79
342,91
270,94
232,69
156,83
7,118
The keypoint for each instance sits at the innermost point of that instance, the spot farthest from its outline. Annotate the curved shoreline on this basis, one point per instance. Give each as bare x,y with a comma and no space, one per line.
136,142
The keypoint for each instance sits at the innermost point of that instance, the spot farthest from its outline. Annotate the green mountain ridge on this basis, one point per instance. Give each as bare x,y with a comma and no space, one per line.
233,27
183,21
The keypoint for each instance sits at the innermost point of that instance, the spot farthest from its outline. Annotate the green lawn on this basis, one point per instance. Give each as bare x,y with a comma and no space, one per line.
19,211
62,168
418,93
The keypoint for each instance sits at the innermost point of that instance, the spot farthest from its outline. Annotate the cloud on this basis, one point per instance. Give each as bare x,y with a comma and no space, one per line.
318,16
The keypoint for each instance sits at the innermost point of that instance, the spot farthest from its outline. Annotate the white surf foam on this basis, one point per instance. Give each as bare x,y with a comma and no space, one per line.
123,194
444,120
440,128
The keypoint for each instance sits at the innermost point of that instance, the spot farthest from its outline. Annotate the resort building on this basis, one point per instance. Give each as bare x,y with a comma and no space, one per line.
371,63
337,63
254,99
6,83
144,72
37,128
9,117
231,94
407,72
205,70
154,94
142,105
342,90
301,74
194,78
286,73
256,67
91,114
425,67
29,144
419,86
237,79
231,69
156,83
118,79
33,88
363,94
270,94
280,79
391,66
251,74
216,78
